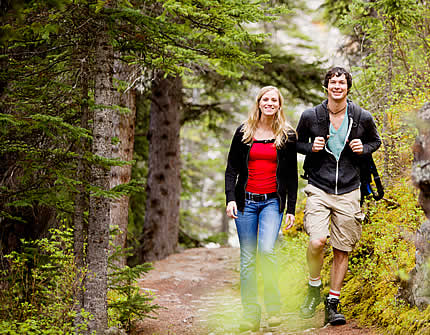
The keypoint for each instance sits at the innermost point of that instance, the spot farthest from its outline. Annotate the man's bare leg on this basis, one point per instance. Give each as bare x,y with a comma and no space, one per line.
315,257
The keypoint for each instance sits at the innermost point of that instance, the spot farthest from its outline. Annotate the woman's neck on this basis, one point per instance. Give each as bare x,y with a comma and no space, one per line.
265,123
264,130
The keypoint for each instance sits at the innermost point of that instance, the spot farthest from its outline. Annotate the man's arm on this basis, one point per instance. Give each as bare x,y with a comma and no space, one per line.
304,146
372,140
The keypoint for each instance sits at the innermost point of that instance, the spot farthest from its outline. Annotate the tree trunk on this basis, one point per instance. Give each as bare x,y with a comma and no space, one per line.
123,127
95,295
82,197
161,226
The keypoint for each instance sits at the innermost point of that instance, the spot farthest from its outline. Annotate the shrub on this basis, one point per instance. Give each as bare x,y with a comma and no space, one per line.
38,289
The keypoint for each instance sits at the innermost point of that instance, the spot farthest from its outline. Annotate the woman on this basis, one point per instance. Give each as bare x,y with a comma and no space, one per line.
261,172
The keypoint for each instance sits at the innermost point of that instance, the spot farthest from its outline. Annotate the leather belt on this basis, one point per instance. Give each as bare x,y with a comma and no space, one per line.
260,197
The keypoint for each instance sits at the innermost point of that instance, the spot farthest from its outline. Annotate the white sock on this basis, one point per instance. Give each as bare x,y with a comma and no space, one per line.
315,281
334,294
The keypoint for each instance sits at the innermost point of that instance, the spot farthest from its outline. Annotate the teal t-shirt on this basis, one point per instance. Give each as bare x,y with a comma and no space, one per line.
337,138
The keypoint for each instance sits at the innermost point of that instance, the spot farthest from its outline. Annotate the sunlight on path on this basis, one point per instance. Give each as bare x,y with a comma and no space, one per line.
219,311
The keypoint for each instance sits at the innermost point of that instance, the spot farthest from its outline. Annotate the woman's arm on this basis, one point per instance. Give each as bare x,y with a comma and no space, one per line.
233,166
292,179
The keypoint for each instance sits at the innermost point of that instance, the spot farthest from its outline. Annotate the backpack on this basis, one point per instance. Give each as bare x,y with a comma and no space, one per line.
368,170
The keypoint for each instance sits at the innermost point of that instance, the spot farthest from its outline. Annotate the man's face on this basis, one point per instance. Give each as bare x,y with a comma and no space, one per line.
337,88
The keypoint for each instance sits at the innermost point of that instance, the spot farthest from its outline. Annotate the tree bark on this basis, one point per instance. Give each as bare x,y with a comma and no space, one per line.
95,295
123,127
161,226
82,197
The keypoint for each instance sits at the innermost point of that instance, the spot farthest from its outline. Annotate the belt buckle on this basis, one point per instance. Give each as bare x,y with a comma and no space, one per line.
251,196
259,197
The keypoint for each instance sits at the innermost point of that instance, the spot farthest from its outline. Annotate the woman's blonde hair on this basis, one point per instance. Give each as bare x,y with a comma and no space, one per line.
280,126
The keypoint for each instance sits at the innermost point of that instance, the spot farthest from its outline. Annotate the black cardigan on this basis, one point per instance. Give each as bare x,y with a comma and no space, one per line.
236,173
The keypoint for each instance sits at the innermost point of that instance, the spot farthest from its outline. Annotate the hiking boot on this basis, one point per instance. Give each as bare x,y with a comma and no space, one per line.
274,321
312,300
332,315
246,325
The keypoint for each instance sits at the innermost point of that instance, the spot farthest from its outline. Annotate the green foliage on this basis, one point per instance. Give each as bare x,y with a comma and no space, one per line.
126,302
299,80
391,38
39,287
293,270
176,36
41,108
382,258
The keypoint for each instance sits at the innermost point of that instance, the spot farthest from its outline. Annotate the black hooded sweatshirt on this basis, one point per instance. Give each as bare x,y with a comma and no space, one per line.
324,171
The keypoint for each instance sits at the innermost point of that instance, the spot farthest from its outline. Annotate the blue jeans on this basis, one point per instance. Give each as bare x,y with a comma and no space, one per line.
258,228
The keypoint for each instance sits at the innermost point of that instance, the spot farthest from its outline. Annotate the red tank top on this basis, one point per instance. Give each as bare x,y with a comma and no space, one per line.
262,165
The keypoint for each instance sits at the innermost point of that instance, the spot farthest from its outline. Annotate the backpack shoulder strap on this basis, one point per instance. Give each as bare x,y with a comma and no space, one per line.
356,114
322,119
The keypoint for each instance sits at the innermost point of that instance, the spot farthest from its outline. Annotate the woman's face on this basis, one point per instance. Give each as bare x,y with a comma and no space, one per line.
269,104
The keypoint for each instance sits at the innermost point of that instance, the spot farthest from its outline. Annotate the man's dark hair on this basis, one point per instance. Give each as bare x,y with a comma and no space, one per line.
337,72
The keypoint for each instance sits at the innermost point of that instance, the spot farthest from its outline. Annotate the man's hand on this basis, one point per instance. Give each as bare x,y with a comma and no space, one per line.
231,209
356,146
318,144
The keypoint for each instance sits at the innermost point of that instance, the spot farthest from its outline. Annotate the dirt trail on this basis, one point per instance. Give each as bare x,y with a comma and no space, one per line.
199,290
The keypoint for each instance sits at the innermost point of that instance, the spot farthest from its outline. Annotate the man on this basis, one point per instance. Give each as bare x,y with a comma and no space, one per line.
333,136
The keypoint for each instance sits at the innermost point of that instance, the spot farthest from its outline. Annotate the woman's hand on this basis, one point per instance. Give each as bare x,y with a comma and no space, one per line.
289,221
231,209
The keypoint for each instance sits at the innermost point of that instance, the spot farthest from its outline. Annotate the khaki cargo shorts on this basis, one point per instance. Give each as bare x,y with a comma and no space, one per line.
342,211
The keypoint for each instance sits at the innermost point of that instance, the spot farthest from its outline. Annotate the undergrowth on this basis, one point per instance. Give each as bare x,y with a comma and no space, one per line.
39,289
383,258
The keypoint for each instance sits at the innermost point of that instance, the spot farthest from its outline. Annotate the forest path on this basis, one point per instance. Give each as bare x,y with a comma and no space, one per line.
199,290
